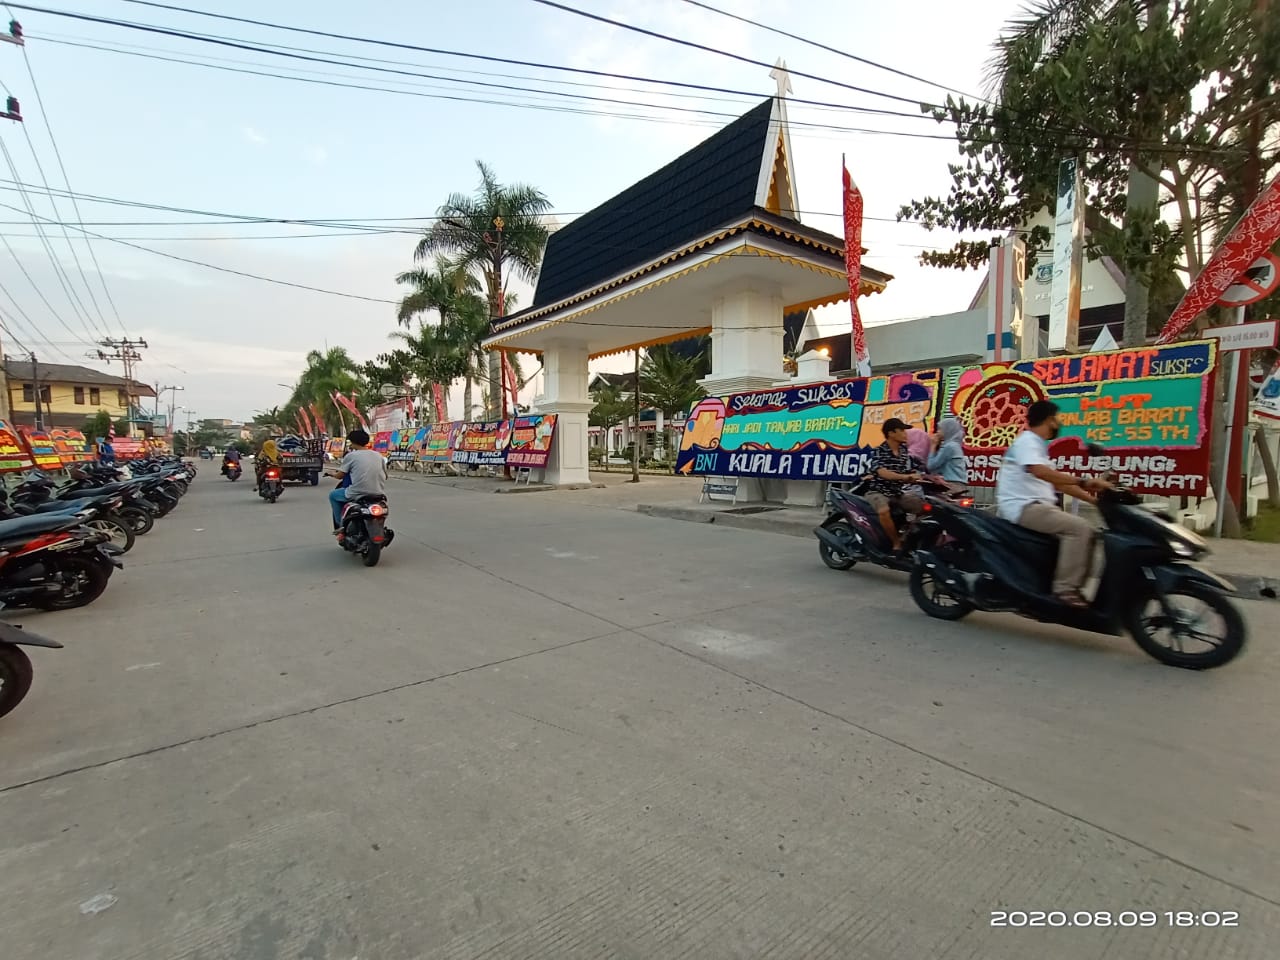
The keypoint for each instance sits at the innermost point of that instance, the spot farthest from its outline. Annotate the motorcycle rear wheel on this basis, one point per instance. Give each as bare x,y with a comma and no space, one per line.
91,576
372,554
1222,650
139,519
15,677
832,558
117,528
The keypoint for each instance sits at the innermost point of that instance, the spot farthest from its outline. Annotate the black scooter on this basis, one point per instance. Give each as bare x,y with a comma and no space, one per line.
231,470
1150,585
852,532
15,665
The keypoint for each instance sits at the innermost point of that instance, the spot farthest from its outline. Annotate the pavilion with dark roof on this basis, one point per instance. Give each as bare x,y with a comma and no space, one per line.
710,244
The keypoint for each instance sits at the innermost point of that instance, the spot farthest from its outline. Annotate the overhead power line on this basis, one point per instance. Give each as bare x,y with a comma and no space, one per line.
693,44
335,222
1095,140
213,266
62,167
829,49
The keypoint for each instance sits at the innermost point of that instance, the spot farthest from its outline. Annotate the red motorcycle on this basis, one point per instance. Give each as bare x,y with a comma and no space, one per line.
53,561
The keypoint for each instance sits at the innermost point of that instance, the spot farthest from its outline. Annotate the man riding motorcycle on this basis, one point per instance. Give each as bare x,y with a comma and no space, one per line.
230,459
363,473
1026,494
892,469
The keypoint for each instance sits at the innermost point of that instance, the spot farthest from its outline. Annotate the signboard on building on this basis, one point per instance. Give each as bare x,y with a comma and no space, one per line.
1245,336
1147,408
1068,250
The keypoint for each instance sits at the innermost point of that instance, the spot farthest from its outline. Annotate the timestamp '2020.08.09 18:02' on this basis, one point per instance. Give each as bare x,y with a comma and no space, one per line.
1108,918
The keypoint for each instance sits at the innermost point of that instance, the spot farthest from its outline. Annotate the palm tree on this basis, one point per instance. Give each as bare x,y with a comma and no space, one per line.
496,232
327,372
453,293
669,381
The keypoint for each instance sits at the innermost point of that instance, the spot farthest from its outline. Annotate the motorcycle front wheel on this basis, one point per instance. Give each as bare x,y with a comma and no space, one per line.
930,598
15,677
1202,628
84,580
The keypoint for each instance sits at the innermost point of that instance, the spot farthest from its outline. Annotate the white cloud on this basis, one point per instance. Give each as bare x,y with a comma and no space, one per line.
252,135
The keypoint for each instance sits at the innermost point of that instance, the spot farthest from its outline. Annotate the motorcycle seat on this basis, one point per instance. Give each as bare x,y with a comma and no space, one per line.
38,523
1031,540
372,498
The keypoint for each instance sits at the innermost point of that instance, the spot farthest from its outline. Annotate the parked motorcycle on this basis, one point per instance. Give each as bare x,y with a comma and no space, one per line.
53,562
142,500
1150,584
852,532
15,665
364,528
231,470
98,513
270,487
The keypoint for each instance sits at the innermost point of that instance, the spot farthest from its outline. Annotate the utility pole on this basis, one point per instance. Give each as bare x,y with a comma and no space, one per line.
126,351
12,109
35,390
173,399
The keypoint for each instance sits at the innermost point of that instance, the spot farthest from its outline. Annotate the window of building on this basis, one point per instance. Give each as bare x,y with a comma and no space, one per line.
79,395
95,396
122,400
29,393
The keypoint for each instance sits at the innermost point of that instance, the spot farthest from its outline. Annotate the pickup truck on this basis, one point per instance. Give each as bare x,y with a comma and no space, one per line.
301,461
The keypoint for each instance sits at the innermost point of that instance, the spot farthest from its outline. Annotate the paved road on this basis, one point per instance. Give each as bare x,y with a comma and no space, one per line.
549,728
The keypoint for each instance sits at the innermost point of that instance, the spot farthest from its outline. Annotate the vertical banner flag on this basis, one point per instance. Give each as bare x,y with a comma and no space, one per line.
337,408
509,373
1252,236
1068,249
437,394
853,266
318,419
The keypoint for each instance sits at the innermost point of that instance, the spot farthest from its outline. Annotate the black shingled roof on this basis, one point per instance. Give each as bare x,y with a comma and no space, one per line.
710,186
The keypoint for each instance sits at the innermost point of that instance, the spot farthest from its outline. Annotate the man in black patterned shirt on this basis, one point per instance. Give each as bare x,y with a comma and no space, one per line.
892,468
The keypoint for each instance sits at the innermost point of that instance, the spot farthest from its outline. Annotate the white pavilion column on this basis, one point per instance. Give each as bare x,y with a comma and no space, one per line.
746,354
811,367
565,367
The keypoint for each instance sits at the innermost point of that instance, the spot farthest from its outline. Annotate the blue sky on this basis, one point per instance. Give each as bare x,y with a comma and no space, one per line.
187,136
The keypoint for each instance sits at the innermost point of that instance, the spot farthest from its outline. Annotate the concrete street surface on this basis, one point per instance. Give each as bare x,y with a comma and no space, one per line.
549,727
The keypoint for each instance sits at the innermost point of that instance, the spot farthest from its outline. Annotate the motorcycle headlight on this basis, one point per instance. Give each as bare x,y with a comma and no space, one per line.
1182,549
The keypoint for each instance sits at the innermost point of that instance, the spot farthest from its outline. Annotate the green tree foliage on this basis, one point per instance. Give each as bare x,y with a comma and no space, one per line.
494,233
1182,92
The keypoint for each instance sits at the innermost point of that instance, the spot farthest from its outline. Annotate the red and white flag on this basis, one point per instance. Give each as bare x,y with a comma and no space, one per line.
437,394
509,377
853,266
111,430
1252,236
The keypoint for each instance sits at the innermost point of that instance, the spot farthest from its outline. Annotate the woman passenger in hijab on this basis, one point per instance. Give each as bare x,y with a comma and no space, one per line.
919,445
947,460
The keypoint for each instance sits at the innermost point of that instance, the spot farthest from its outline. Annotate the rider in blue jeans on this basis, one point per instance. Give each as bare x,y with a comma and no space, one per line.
363,473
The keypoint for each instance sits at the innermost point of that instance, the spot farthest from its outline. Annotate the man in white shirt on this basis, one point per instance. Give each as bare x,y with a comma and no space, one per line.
1026,489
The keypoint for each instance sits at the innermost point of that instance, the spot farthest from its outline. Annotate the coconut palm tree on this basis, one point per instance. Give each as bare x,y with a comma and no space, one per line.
326,372
453,293
497,232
